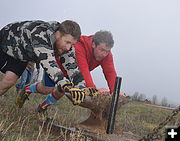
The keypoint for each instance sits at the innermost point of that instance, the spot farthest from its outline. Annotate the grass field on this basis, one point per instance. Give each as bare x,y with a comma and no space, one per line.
21,124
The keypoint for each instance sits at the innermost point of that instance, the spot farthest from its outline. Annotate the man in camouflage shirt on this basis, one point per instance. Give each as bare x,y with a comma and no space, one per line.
36,41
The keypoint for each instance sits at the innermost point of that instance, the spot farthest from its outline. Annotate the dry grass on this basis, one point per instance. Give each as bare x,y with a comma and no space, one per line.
142,119
21,124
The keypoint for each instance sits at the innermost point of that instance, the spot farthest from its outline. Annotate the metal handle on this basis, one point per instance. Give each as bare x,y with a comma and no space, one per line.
113,108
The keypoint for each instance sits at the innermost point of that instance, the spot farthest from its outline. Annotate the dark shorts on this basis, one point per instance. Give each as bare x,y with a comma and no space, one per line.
47,81
8,63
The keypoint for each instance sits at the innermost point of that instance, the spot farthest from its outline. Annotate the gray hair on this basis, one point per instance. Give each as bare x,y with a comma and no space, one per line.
103,37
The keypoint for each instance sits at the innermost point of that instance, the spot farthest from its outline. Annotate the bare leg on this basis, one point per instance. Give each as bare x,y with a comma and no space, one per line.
9,79
58,94
44,90
52,98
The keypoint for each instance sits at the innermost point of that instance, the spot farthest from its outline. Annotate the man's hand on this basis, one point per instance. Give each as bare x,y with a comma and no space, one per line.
66,87
78,96
103,91
91,91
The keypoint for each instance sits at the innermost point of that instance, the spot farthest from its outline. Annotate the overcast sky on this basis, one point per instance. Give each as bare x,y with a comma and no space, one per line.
146,35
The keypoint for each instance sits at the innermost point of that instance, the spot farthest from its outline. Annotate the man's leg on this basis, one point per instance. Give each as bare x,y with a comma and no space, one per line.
12,70
29,77
37,87
9,79
23,79
43,89
52,98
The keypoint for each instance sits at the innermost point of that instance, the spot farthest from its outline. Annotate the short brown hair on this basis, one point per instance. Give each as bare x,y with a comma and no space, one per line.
70,27
103,37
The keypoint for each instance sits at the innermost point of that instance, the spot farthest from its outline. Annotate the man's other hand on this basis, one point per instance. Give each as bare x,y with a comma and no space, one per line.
104,91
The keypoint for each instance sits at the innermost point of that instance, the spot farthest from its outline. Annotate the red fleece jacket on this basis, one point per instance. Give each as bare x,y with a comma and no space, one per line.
87,63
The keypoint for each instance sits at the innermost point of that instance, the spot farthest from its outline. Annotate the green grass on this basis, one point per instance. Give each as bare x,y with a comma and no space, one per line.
141,119
21,124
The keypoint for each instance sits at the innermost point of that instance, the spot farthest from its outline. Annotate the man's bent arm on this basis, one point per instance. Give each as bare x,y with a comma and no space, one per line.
109,71
69,63
84,68
48,62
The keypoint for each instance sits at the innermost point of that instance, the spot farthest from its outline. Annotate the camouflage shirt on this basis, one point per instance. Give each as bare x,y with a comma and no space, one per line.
33,41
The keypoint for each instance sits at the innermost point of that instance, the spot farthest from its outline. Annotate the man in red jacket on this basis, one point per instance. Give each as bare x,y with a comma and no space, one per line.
90,51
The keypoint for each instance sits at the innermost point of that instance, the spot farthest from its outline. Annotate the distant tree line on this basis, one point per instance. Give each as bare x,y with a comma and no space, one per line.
154,100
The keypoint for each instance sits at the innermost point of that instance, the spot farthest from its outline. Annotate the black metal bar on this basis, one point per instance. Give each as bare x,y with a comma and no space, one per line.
58,129
113,108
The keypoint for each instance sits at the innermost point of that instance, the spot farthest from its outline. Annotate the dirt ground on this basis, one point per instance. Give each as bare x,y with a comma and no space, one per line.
98,119
95,125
